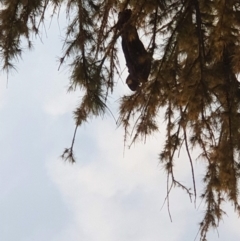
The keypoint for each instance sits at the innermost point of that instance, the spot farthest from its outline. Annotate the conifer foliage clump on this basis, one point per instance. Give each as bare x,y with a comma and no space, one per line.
194,48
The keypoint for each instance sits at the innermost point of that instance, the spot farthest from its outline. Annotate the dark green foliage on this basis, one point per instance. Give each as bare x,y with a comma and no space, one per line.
196,60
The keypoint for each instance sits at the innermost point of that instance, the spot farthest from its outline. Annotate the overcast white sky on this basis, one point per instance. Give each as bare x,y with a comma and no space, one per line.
105,196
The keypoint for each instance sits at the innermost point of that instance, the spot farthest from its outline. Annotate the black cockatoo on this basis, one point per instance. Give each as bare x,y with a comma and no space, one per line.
138,60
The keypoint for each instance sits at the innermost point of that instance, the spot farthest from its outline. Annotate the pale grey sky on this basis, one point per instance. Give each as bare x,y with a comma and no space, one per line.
106,195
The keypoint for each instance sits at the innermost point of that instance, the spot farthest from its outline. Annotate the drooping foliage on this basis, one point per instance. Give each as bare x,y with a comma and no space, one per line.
195,51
